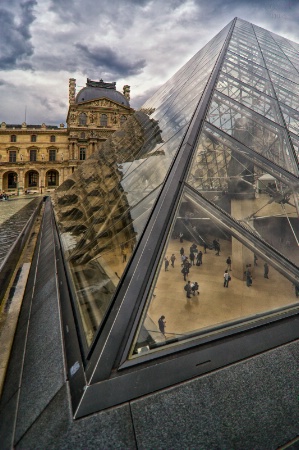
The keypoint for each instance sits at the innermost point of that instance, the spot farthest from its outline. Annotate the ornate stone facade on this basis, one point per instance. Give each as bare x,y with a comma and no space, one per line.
38,158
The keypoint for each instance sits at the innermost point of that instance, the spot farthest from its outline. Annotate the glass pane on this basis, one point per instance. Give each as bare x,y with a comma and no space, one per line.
238,69
192,296
252,130
249,97
252,195
291,118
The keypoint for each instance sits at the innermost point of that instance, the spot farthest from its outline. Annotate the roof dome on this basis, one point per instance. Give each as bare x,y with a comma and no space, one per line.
95,90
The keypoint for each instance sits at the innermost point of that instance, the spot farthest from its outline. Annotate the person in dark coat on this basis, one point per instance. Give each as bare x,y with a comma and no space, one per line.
182,251
248,277
229,263
162,324
205,246
185,272
166,264
195,288
188,289
172,259
199,258
266,270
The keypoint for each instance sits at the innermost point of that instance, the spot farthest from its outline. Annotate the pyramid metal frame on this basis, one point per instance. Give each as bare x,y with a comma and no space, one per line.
106,377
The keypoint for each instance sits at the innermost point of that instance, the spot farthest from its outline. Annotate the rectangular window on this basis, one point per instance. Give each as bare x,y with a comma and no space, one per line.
52,155
82,154
32,155
12,156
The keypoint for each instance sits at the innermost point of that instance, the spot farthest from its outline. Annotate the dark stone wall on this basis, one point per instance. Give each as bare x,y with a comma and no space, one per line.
250,405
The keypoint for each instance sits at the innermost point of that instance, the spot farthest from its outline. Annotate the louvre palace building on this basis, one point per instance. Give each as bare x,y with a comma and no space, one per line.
38,158
161,308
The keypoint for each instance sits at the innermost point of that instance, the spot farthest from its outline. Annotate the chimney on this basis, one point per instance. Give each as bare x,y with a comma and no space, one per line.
72,90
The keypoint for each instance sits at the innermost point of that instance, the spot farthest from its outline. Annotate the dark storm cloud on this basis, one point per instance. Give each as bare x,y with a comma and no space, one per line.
15,45
107,60
72,9
138,42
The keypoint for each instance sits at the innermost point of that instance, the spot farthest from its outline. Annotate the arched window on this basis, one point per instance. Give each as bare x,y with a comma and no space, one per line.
104,120
33,155
52,138
32,179
13,138
52,155
52,178
82,153
33,138
82,135
82,119
122,119
12,179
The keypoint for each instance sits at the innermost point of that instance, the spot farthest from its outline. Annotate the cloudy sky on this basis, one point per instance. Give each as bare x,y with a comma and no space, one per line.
142,43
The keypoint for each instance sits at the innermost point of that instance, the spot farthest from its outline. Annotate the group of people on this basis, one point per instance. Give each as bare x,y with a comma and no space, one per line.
191,287
248,275
4,196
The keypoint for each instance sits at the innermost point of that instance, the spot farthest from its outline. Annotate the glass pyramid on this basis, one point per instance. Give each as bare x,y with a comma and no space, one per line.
183,227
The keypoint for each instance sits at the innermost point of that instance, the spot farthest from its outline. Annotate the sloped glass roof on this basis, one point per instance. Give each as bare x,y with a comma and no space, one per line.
244,109
199,190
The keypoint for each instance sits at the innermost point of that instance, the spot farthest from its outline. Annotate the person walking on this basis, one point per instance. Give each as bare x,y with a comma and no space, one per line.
229,263
195,288
248,277
182,251
188,289
205,246
226,279
166,264
199,258
185,272
181,237
192,258
172,259
124,253
266,270
217,248
162,324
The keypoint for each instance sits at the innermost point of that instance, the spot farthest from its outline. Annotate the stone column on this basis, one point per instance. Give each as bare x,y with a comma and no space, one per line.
42,181
241,255
21,181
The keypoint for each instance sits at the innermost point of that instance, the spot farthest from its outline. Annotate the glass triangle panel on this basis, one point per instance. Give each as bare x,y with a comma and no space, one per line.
252,129
252,194
209,279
